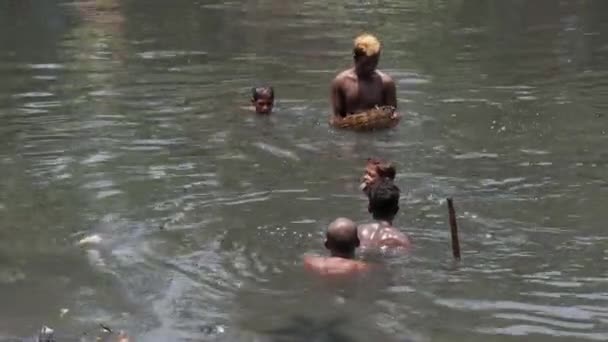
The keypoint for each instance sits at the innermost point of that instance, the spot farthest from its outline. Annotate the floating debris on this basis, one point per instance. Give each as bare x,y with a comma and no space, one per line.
46,334
212,329
105,328
90,240
63,312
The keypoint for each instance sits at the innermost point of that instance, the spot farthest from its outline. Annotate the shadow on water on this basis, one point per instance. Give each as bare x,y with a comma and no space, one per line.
302,328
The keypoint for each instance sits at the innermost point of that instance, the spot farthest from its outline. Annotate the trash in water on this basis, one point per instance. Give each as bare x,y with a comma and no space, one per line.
46,334
90,240
105,328
63,312
212,329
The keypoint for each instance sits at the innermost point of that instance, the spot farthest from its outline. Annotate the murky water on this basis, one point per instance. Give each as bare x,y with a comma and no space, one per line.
123,119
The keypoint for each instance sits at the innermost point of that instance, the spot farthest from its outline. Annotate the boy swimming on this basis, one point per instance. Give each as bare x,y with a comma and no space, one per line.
262,99
376,169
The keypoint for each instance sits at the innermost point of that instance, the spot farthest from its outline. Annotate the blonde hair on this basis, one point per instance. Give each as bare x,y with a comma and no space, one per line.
366,44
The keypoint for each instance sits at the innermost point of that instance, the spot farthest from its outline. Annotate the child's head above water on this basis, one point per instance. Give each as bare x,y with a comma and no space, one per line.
376,169
262,99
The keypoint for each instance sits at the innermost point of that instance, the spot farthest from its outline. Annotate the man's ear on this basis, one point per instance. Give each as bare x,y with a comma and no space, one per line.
357,242
327,244
369,208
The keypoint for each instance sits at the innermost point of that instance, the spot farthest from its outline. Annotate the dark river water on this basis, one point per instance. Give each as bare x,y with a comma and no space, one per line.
123,121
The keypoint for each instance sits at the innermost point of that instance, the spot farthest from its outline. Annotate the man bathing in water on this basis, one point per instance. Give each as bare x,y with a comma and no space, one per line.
341,241
383,205
362,87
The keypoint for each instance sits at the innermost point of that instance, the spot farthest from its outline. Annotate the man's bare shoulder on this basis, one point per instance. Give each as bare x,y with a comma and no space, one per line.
374,235
312,260
386,79
393,237
363,226
391,231
344,76
333,266
366,229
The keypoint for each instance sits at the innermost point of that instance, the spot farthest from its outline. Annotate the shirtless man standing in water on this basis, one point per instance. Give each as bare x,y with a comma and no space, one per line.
383,205
341,241
362,87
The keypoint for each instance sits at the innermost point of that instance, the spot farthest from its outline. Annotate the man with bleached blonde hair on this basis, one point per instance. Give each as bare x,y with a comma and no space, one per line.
362,87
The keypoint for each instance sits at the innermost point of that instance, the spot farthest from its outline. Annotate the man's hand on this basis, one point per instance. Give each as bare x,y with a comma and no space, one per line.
395,118
336,120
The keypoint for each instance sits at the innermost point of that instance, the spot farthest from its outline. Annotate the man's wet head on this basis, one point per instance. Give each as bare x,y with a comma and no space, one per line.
384,200
341,238
366,54
262,99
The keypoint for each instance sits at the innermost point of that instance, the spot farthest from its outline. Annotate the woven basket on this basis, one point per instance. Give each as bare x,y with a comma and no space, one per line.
375,118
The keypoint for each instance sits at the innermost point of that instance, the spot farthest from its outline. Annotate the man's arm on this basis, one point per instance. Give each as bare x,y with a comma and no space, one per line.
390,91
390,96
311,262
337,99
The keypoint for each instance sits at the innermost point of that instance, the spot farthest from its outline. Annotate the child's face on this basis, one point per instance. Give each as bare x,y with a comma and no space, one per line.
263,105
370,176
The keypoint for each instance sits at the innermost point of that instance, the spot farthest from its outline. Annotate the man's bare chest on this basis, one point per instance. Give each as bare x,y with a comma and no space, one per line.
364,95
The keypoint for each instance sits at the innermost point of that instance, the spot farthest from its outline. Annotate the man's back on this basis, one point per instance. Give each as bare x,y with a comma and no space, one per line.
334,266
379,235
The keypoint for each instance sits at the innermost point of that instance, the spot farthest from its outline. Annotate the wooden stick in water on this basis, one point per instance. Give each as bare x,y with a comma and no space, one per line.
454,230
